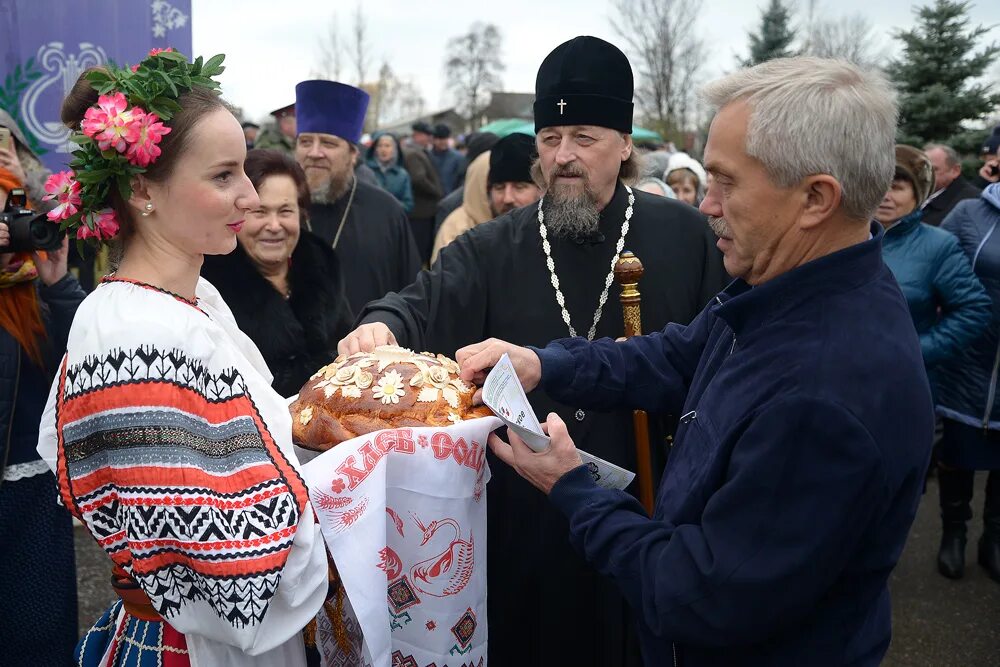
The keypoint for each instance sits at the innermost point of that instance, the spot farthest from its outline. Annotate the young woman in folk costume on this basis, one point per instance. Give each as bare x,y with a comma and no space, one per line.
166,438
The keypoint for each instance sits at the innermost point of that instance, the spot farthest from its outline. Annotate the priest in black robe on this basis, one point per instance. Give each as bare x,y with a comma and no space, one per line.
363,223
546,605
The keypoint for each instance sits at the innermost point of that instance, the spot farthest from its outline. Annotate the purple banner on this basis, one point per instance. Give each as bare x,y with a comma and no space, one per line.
46,44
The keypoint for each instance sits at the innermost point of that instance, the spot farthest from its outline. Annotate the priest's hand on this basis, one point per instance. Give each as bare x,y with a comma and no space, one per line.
366,338
476,361
542,469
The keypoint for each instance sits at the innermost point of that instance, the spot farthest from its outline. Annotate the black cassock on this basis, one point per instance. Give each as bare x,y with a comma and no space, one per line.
546,605
376,249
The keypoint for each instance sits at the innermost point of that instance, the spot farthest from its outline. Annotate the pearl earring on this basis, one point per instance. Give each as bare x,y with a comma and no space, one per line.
149,209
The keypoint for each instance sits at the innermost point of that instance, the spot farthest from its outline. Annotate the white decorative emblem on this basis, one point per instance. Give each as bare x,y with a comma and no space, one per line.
166,17
62,70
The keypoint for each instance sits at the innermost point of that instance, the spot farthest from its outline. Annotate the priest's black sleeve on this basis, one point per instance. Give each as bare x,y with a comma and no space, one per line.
444,308
409,262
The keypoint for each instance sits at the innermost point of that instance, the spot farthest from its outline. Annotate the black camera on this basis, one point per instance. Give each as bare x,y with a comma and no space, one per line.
29,230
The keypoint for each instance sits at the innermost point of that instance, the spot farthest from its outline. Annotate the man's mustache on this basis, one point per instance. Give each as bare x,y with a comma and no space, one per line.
719,226
566,170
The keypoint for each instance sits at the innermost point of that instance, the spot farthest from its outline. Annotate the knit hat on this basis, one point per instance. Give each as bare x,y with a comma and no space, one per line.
511,158
422,126
992,143
913,165
685,161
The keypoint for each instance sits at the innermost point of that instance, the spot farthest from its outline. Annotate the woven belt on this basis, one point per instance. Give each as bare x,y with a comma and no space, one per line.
133,598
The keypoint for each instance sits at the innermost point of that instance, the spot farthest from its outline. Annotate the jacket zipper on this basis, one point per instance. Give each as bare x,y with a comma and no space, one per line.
991,395
673,645
13,408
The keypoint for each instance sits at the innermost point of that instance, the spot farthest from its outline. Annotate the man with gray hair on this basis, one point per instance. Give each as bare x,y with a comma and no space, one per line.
807,418
949,186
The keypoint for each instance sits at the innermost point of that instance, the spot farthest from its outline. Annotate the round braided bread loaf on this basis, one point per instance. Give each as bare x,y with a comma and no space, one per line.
391,387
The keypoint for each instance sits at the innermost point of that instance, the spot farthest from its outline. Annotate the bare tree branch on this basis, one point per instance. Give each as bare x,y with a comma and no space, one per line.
330,52
661,38
850,38
473,67
359,54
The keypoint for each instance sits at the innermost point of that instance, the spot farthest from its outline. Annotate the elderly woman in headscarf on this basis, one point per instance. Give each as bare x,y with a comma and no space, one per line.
687,178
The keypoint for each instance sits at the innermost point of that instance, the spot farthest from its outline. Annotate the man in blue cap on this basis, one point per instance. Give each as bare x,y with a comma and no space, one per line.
364,224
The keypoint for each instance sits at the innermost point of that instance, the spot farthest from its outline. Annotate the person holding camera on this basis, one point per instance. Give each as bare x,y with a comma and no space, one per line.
18,160
38,299
989,173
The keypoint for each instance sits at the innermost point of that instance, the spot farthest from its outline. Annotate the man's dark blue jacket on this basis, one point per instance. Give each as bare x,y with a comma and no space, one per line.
796,473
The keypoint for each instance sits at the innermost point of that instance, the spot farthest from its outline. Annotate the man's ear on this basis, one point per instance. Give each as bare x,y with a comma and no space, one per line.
628,147
823,194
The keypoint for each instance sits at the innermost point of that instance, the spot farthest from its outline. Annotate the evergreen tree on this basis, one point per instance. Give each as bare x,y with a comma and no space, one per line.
936,77
775,38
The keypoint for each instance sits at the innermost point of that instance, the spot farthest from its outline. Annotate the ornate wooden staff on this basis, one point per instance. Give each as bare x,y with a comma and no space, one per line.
628,271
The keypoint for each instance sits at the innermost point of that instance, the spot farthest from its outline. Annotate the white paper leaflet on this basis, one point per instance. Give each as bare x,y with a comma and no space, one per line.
503,394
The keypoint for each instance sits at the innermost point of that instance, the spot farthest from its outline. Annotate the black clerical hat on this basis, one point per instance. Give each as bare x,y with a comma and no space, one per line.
585,81
510,159
442,131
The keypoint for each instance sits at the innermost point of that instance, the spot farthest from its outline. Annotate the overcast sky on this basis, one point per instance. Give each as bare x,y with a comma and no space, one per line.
270,46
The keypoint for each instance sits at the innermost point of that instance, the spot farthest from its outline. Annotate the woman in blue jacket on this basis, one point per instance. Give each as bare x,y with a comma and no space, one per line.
949,307
967,399
384,157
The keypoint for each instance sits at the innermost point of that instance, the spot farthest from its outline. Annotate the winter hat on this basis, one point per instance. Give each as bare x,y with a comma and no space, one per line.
421,126
685,161
992,143
585,81
511,158
913,165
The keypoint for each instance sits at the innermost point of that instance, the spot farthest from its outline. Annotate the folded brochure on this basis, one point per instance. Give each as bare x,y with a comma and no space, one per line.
503,394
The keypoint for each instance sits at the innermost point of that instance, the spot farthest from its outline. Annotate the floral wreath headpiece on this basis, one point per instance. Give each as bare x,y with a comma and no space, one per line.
119,137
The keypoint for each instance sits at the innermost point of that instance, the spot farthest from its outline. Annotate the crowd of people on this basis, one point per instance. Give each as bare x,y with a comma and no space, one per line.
823,333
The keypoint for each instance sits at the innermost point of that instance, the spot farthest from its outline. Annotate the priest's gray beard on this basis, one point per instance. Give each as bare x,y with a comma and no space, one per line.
568,212
332,190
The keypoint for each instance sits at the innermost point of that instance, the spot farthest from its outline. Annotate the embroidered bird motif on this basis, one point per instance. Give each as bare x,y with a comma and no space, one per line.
448,572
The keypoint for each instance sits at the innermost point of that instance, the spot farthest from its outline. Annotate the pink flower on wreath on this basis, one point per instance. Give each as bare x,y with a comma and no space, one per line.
105,226
155,51
65,189
144,150
109,124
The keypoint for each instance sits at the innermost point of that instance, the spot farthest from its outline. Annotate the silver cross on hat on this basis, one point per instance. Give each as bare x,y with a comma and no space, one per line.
561,105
